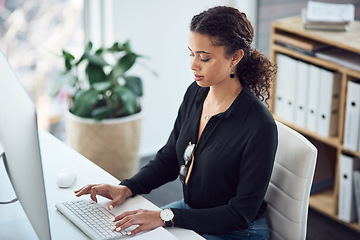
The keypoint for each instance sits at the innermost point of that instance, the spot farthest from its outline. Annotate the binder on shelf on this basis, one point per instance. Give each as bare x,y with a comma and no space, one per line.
301,93
356,184
279,105
352,117
299,44
347,207
313,98
328,117
285,87
340,56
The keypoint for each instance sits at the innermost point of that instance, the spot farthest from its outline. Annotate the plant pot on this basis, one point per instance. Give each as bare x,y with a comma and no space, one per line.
112,144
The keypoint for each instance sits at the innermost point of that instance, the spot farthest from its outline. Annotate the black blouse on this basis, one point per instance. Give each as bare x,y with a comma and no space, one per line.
233,162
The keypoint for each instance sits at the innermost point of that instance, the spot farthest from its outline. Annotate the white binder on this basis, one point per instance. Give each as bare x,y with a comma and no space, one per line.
280,87
356,183
347,207
285,87
313,98
328,117
352,117
301,93
290,93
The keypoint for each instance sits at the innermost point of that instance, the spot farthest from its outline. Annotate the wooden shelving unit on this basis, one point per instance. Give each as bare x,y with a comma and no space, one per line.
326,201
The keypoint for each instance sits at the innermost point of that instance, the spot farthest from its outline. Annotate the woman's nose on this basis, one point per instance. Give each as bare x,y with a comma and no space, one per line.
194,65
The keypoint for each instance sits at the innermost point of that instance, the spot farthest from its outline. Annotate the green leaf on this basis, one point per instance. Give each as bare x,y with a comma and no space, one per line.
88,46
95,59
128,100
80,60
115,48
124,64
87,50
68,58
102,86
68,65
99,51
68,55
134,84
84,102
95,73
101,113
127,47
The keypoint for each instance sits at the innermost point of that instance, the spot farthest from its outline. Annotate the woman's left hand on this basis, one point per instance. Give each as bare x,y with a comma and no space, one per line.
146,219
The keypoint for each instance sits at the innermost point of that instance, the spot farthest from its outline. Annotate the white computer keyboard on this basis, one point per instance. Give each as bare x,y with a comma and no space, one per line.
93,219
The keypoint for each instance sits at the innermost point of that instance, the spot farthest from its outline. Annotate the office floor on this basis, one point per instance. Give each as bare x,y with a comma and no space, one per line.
320,227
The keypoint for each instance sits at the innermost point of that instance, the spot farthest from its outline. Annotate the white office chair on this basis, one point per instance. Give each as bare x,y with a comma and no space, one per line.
289,189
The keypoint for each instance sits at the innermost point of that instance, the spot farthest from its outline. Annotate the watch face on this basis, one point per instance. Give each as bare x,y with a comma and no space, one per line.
166,215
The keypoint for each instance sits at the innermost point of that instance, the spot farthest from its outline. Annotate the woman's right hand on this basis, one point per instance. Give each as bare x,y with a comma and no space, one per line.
117,194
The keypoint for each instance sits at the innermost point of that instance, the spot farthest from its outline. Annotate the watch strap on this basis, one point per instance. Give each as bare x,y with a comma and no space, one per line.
169,223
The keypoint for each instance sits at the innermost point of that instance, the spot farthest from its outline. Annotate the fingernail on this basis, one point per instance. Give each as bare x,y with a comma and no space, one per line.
111,207
113,228
118,229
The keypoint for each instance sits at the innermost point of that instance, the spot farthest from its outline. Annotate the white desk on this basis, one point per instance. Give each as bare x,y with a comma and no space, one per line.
58,157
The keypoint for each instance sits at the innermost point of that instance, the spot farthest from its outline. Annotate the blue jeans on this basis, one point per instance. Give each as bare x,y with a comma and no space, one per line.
258,230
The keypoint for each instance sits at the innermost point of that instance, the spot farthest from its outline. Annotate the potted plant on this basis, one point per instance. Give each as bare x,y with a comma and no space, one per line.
104,118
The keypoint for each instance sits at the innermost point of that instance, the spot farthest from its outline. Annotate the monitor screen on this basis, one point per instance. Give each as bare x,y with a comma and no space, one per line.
20,143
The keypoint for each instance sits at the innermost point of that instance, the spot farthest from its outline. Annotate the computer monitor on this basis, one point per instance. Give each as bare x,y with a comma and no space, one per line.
20,143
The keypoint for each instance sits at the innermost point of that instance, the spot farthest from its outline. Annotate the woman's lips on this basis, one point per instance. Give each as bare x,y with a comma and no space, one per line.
198,77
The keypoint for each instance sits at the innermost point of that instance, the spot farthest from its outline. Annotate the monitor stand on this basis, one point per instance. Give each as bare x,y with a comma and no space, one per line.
3,167
12,212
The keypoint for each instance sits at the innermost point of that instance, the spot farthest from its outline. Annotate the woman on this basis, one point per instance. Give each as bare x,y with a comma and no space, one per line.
223,142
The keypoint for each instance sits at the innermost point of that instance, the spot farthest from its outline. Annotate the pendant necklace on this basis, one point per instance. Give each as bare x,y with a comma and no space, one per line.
206,117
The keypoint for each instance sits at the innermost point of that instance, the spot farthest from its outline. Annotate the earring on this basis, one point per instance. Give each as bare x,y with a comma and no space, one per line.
232,75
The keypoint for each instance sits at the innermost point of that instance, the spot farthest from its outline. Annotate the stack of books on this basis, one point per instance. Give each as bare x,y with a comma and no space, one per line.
326,16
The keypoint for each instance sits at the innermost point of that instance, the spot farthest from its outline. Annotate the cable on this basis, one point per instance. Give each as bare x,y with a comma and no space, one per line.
12,201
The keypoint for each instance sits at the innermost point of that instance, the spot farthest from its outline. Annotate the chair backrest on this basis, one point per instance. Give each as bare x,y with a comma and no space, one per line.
289,189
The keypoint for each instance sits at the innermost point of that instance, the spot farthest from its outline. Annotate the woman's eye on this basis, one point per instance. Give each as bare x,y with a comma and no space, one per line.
205,60
201,59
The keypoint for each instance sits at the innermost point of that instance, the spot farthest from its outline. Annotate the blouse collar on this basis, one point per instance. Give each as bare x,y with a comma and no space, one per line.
239,108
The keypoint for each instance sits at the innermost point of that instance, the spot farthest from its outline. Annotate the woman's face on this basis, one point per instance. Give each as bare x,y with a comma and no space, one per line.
208,62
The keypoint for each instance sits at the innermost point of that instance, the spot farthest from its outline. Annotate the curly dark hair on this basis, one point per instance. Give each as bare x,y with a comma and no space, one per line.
230,28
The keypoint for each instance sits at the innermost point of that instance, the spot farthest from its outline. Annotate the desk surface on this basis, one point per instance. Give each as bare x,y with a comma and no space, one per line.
58,157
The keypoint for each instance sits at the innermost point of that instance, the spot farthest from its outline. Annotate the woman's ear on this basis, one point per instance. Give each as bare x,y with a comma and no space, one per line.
237,56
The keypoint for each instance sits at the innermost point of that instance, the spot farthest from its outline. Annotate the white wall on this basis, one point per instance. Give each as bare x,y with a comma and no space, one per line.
159,29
